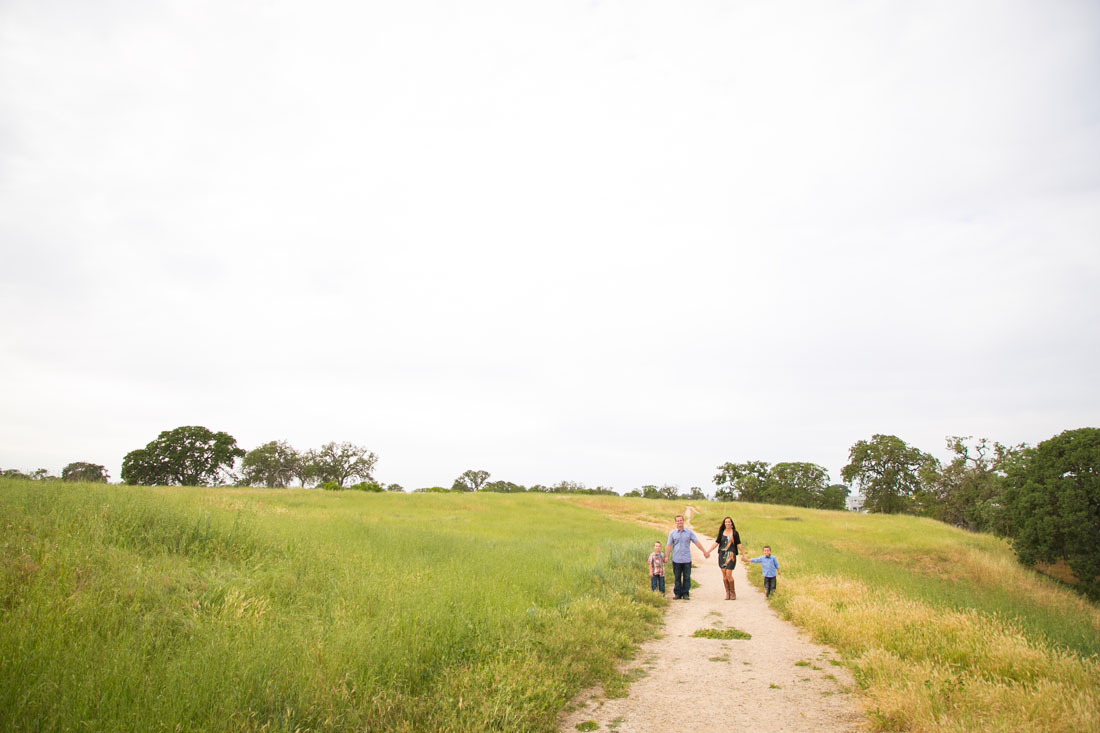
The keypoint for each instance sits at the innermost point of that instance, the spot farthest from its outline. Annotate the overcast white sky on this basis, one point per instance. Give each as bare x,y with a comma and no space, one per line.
617,243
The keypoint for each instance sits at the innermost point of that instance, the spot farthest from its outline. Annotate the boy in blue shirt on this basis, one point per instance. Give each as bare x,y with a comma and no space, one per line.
770,565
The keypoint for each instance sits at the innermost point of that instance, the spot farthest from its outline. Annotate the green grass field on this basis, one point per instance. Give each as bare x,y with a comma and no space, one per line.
127,608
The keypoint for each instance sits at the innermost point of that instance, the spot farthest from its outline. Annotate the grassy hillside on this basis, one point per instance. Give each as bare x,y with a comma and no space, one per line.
942,627
126,608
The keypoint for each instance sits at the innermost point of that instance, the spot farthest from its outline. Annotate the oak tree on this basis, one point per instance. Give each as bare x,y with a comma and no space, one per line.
1053,496
471,480
968,491
338,462
87,472
887,471
741,481
190,455
272,464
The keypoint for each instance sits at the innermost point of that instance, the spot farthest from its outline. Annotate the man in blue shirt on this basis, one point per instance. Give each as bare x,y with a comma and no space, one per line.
678,549
770,566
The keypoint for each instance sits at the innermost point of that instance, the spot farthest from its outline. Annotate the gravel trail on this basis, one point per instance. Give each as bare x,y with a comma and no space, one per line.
778,680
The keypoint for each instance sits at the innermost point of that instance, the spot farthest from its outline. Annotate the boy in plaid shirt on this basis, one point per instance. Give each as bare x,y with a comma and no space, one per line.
657,569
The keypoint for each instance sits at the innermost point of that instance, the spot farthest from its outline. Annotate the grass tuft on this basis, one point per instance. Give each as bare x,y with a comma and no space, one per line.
721,634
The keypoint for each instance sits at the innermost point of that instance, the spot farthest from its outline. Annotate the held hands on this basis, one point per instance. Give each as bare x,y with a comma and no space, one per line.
706,554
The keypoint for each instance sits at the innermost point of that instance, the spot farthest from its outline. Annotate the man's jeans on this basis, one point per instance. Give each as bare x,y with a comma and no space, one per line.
682,574
657,581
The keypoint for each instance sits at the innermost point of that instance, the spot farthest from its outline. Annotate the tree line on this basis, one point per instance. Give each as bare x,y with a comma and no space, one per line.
478,480
891,477
193,455
1044,499
91,473
794,484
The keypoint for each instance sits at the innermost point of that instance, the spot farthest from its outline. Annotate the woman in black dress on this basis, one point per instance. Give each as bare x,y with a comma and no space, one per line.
728,542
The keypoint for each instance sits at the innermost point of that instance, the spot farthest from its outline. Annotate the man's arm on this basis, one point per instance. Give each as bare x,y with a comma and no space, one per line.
702,549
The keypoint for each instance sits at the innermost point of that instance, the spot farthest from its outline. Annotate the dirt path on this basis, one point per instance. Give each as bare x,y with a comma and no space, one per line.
776,681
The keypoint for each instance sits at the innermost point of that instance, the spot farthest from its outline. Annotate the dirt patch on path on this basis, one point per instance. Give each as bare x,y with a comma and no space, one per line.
778,680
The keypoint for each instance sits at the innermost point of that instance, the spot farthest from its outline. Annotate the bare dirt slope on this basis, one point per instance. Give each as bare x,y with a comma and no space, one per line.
776,681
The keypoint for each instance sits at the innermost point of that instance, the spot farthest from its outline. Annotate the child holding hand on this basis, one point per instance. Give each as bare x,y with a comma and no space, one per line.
769,564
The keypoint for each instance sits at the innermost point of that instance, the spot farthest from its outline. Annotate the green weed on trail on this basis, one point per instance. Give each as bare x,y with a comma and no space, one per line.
133,608
721,634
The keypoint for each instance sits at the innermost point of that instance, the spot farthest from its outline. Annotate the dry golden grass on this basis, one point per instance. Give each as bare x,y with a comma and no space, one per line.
924,668
1059,571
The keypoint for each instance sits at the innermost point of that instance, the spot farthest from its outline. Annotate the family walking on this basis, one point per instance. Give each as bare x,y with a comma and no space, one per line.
728,543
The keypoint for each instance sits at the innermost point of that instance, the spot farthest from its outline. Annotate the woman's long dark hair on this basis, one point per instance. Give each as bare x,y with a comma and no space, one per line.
722,529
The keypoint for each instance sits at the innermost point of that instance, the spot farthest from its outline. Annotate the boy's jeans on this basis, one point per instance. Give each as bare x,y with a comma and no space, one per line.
769,586
657,582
